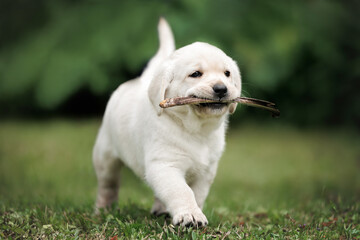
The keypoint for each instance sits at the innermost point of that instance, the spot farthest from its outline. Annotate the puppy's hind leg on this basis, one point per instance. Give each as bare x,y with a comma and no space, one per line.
159,208
107,168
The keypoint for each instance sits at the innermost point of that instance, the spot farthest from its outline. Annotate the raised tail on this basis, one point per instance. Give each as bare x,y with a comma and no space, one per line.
166,39
166,47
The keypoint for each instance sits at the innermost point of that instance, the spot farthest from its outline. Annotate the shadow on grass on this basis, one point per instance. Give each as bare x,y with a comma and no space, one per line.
133,213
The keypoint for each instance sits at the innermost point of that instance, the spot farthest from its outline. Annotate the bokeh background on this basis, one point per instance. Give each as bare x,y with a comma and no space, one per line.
66,57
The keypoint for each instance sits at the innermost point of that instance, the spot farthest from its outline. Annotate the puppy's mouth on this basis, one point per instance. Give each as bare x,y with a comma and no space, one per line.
216,105
212,105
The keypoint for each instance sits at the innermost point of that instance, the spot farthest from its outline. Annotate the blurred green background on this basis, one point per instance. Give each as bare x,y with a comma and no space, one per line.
66,57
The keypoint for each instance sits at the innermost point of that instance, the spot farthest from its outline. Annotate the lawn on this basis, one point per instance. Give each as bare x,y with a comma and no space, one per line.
273,182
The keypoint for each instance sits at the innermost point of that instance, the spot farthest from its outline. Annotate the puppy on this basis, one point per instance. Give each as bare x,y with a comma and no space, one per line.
175,150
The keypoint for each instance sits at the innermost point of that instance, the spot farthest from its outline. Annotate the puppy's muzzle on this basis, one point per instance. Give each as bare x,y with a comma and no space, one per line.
220,90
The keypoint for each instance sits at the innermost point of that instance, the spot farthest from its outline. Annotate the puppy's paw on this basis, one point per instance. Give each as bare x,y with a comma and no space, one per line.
159,209
160,212
193,218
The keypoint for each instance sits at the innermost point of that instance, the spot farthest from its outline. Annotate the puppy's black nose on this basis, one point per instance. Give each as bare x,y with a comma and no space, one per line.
220,90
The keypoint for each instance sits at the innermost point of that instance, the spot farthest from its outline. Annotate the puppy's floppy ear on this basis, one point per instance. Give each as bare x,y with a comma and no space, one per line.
232,108
158,85
236,76
237,83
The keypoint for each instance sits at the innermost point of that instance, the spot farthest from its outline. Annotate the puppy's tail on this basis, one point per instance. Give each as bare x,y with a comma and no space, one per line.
167,46
166,39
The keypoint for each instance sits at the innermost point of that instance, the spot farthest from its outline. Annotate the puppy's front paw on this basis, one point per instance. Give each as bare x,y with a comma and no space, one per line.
193,218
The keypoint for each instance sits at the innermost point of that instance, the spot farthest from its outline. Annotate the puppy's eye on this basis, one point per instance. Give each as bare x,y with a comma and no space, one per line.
195,74
227,73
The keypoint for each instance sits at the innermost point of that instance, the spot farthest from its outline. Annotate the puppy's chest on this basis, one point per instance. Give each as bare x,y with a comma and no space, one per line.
204,154
204,162
207,154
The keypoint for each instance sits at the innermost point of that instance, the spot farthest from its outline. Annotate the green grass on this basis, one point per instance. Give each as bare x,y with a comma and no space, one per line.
273,182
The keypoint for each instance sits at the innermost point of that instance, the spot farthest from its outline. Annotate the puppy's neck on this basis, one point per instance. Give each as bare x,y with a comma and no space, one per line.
198,125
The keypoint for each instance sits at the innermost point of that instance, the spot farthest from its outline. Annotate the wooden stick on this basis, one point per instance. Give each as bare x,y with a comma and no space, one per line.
172,102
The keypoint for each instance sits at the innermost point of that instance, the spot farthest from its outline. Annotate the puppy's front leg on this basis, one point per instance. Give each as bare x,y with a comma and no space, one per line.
201,187
169,185
201,184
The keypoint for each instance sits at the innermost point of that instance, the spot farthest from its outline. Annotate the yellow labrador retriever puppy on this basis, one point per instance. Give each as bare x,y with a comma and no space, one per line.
175,150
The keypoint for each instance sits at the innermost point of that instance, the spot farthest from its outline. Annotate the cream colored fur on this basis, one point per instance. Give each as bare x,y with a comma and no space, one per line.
175,150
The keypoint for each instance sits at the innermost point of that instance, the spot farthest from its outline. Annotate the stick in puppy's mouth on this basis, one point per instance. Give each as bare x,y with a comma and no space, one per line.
178,101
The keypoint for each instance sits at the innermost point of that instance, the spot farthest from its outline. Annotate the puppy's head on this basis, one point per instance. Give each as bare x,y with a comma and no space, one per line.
200,70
